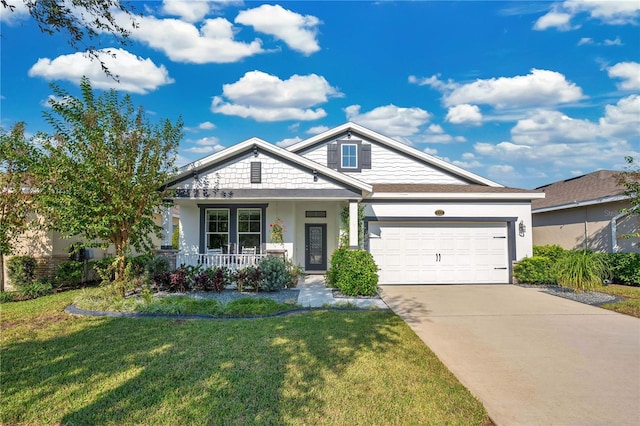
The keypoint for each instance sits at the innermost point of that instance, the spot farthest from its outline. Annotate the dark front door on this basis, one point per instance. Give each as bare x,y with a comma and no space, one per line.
315,243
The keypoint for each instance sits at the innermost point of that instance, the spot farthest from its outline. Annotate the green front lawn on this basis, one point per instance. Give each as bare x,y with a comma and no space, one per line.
630,306
323,367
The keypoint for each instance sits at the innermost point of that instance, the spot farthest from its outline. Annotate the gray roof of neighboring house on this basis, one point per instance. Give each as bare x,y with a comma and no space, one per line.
602,184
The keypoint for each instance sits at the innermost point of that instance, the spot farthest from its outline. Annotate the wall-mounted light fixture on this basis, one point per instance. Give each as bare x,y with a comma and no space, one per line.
315,175
349,134
522,229
255,151
195,175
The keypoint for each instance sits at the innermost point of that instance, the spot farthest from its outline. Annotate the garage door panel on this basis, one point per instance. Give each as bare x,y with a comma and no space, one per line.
428,254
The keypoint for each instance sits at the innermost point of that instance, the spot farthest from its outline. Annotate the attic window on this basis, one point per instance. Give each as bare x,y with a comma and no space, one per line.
349,156
256,172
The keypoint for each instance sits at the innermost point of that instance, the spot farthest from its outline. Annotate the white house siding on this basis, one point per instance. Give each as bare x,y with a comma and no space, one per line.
467,212
275,175
389,166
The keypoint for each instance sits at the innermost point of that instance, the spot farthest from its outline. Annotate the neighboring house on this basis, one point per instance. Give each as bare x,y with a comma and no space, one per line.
584,213
50,249
426,220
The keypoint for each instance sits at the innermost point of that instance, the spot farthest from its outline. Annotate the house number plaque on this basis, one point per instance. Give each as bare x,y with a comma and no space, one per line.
439,212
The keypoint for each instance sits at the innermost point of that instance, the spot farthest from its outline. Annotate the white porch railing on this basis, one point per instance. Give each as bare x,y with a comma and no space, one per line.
231,261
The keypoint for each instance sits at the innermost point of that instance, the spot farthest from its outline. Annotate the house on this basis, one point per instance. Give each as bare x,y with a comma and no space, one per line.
425,220
584,212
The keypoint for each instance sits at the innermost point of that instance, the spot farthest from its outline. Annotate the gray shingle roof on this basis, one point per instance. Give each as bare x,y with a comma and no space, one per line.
592,186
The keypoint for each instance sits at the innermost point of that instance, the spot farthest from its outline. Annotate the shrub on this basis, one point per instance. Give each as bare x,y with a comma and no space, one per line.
104,269
161,281
337,258
553,252
274,274
249,277
21,270
7,296
157,264
354,272
69,274
535,270
179,281
625,268
37,288
581,270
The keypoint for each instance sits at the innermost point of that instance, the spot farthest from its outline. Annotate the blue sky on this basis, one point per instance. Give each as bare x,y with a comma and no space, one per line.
524,93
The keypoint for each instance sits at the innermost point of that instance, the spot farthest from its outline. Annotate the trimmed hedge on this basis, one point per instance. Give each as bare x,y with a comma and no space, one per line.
353,272
535,270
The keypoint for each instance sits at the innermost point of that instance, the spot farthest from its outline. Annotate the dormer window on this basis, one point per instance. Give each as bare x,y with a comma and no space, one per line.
349,156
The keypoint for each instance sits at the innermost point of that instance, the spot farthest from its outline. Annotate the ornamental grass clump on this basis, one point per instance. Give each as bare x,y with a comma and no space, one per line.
581,270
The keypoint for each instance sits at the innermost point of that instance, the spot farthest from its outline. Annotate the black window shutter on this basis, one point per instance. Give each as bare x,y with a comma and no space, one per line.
366,157
256,172
332,156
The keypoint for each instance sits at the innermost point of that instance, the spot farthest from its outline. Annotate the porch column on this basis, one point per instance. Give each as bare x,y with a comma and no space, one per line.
167,226
353,224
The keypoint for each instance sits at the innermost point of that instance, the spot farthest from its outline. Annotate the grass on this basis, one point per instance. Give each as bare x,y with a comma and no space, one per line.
104,300
631,304
323,367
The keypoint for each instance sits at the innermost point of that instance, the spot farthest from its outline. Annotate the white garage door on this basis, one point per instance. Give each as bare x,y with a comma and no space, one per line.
440,254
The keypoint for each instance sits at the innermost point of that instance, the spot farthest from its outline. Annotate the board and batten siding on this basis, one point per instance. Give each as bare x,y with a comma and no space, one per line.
389,166
274,175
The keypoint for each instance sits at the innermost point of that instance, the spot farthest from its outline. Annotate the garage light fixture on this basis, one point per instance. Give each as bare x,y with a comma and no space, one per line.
522,229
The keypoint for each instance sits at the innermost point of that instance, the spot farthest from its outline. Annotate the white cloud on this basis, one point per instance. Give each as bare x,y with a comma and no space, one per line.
288,142
182,41
435,129
622,119
502,171
297,31
190,11
585,40
135,74
205,145
434,82
430,151
13,16
264,97
317,130
629,72
464,114
207,125
614,42
551,140
612,12
554,18
545,126
390,119
540,87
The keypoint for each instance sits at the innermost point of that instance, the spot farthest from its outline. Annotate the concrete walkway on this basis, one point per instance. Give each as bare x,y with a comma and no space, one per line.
315,294
531,358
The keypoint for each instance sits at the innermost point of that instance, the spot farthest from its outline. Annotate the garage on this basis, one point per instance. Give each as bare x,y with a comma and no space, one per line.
452,253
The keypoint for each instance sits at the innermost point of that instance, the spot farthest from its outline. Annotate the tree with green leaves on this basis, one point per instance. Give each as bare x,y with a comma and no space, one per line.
630,180
16,201
81,21
102,169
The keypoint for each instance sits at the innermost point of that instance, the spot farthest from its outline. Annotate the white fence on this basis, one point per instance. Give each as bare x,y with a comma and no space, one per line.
231,261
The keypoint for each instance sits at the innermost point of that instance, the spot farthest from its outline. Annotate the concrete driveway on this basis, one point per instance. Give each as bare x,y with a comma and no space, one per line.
530,357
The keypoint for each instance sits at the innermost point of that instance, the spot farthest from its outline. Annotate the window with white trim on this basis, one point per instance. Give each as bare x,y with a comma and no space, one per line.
249,228
217,229
349,156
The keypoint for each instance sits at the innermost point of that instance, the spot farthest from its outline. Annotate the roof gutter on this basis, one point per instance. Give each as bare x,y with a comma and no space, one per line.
580,204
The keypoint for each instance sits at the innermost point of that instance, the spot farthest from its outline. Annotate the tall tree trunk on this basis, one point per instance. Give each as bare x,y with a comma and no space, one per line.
1,271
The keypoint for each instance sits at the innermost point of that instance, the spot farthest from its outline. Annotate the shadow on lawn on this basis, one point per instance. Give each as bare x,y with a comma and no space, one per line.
265,371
